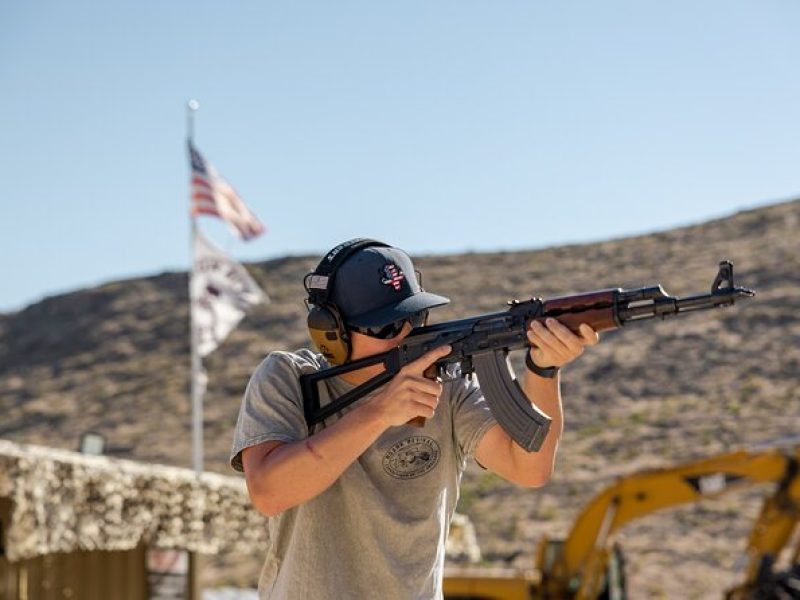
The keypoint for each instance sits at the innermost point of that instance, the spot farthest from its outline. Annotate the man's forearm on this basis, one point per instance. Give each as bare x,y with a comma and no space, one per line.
546,394
297,472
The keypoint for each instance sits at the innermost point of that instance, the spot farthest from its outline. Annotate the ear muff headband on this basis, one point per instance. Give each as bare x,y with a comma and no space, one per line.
325,324
319,283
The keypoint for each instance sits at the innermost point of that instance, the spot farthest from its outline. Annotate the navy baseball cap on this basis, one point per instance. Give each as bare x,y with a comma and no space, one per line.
377,286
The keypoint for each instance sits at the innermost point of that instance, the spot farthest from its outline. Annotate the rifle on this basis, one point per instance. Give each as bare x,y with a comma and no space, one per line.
481,344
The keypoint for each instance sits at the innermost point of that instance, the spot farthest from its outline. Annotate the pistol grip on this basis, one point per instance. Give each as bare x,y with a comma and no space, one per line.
430,373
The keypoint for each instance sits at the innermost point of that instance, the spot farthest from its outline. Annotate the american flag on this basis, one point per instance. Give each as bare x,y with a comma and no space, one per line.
393,276
212,195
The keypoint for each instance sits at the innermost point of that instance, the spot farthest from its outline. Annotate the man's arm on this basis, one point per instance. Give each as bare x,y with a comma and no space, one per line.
554,345
282,475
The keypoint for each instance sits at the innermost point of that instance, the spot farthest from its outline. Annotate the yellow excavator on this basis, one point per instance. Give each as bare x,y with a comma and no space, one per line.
772,532
587,565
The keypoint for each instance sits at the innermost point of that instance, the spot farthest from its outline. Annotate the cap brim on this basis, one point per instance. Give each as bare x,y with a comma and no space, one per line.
404,308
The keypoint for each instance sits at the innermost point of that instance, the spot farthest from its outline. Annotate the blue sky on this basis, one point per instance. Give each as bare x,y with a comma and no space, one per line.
437,126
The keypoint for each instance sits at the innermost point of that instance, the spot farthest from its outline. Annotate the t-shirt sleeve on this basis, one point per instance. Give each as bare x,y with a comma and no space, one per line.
471,417
272,406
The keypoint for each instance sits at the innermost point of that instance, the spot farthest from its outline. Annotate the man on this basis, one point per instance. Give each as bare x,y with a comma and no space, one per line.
360,504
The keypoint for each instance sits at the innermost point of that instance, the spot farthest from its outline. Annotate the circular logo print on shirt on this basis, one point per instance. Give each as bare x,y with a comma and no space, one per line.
411,457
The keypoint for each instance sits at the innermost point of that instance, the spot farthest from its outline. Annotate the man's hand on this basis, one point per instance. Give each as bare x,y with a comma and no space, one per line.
555,345
409,394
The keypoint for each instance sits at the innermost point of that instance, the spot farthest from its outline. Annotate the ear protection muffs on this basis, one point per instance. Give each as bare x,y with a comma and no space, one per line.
325,324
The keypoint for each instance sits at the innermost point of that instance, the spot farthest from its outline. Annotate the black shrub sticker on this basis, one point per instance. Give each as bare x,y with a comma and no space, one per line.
411,457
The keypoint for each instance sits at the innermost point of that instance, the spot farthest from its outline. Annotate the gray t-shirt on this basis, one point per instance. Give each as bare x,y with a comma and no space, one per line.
379,531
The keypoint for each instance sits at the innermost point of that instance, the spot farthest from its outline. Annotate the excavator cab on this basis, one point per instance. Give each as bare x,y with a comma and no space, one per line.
612,586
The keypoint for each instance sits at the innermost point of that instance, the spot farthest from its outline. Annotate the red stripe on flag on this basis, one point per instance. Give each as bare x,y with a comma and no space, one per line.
205,203
202,210
202,182
201,195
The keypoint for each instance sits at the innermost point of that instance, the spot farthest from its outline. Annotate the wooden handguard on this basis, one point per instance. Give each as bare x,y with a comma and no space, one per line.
596,309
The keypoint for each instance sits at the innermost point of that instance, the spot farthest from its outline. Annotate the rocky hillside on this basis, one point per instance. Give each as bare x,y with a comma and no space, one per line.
115,359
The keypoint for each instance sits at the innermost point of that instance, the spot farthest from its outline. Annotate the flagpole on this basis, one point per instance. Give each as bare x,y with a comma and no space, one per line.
196,374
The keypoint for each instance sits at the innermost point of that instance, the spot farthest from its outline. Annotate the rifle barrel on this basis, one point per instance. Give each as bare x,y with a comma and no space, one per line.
663,307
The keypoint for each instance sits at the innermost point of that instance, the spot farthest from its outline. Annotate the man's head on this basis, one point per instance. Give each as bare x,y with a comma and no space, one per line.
368,287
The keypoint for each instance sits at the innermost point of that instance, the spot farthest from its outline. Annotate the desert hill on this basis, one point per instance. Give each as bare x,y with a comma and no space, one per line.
115,359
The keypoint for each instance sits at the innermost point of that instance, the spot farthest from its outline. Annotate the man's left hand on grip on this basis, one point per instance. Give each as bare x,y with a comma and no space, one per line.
554,345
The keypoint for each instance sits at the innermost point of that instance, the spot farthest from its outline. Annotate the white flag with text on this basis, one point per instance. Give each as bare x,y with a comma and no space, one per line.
221,291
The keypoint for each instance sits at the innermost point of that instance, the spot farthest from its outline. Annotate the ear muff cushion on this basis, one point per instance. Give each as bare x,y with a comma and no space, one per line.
328,334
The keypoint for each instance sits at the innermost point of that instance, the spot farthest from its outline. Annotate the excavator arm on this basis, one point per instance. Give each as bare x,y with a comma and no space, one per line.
576,569
771,533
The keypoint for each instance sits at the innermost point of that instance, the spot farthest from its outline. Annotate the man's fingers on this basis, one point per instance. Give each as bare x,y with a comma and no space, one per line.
589,335
425,410
425,386
571,341
554,343
420,398
426,399
427,359
543,338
